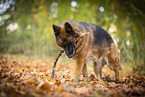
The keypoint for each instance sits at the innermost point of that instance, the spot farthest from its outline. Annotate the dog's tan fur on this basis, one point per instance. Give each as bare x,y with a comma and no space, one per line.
86,49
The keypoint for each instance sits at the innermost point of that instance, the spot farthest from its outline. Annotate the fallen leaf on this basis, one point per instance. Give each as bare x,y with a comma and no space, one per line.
67,94
46,86
81,90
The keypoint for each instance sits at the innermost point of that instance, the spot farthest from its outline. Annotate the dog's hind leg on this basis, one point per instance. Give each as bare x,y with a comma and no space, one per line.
84,70
97,66
116,75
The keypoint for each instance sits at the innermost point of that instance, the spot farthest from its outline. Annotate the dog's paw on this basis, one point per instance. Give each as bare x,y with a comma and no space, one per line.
86,79
74,77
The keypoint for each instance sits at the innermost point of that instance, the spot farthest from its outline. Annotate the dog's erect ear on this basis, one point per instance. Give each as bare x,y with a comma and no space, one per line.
56,29
68,28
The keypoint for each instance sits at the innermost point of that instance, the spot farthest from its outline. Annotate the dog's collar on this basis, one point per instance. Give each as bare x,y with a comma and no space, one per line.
87,33
81,36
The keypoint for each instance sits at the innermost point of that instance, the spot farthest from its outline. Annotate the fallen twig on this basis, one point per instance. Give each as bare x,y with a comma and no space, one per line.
54,65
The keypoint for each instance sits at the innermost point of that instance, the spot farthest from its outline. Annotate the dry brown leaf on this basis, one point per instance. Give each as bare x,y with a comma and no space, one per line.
60,88
46,86
57,82
28,81
67,94
82,90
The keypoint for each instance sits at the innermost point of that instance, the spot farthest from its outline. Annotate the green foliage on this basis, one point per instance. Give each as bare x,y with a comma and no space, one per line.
33,20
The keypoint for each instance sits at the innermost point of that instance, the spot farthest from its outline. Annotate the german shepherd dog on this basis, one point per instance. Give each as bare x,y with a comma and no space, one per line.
85,42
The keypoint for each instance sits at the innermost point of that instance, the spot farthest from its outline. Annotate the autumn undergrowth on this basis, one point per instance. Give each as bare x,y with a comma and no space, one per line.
28,76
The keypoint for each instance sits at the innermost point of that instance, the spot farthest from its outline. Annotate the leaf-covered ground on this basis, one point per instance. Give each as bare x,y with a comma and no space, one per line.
27,77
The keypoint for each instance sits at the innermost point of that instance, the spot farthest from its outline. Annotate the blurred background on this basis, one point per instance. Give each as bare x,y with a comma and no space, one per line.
26,25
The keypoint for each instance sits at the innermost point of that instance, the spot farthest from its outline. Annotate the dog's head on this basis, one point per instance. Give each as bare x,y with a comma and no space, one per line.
65,37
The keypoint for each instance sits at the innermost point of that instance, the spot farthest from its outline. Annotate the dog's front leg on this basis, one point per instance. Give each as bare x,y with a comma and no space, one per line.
78,69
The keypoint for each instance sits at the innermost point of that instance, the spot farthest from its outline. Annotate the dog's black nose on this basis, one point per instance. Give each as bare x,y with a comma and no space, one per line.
70,55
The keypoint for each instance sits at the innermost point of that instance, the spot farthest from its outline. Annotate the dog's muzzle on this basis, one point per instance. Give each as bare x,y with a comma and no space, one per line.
70,50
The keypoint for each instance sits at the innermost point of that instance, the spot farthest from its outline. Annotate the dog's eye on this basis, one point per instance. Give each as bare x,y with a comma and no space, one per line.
64,46
60,44
64,40
56,35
